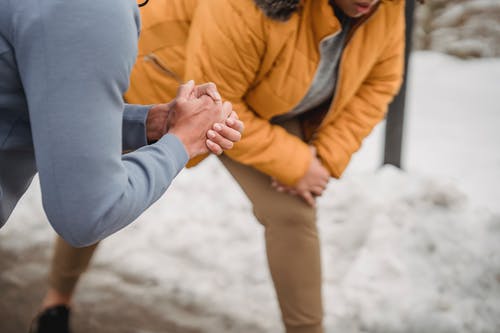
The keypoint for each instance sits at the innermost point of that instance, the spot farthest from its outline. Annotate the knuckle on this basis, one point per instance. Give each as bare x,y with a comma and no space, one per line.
180,101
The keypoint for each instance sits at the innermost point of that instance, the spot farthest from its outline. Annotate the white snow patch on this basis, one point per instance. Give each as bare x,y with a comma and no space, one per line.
403,251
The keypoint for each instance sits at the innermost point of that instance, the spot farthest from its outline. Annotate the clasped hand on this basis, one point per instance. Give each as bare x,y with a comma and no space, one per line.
199,118
311,185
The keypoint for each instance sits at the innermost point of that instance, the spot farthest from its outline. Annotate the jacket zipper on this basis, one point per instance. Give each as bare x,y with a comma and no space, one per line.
153,59
290,115
335,93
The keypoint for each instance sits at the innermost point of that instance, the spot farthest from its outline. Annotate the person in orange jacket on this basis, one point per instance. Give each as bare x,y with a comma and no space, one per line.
309,78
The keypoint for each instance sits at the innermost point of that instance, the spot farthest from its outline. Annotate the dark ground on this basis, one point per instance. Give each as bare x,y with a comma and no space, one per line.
23,288
106,302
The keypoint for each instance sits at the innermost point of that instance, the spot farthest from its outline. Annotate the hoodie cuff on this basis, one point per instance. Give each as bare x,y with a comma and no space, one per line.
177,151
134,126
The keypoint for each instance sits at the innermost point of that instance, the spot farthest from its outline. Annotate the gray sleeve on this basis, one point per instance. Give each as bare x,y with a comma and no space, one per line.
75,59
134,126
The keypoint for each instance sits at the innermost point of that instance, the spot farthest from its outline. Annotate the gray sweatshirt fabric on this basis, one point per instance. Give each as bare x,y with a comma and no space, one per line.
325,78
64,66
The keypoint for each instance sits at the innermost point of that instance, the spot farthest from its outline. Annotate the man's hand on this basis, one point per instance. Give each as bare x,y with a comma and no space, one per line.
311,185
209,89
191,117
221,137
156,123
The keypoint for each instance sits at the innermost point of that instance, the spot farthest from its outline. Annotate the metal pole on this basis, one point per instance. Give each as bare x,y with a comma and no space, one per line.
395,116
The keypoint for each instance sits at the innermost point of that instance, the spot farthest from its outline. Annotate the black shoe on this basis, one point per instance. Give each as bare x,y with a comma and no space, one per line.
52,320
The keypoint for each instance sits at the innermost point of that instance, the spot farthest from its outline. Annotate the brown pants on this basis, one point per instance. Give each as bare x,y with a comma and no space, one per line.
292,245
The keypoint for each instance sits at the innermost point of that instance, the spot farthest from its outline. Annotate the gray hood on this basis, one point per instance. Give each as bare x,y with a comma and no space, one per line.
278,9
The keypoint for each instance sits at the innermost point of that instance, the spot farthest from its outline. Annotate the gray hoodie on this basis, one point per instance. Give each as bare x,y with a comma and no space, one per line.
64,66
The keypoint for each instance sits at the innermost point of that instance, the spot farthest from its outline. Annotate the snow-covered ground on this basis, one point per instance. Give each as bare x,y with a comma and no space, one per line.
404,251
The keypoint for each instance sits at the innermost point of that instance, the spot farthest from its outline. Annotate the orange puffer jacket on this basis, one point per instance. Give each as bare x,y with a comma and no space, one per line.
265,66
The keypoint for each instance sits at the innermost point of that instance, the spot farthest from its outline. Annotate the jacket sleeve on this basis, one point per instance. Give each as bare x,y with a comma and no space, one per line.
338,140
226,46
74,62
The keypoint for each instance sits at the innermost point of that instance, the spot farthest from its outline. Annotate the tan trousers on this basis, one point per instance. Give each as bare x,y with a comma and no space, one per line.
292,246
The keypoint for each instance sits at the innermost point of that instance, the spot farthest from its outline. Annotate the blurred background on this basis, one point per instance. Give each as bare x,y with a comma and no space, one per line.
404,251
462,28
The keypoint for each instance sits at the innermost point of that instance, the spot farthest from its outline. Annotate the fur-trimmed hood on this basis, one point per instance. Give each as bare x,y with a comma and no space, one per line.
278,9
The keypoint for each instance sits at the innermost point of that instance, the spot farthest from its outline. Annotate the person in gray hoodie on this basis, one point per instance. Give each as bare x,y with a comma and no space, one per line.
64,66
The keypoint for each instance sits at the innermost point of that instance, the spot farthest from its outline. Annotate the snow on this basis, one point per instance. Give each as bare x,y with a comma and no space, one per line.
404,251
452,126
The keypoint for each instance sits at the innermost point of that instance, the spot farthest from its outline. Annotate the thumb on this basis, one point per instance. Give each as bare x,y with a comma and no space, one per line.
185,90
227,109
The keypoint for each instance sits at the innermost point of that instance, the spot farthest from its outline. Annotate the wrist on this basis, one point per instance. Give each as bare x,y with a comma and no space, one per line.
156,122
188,147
